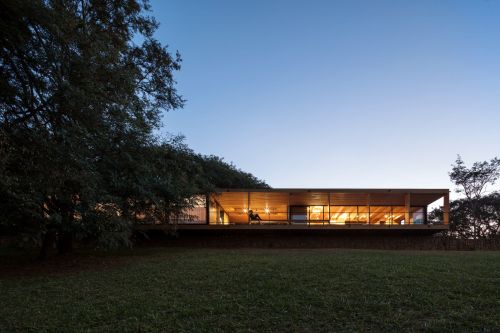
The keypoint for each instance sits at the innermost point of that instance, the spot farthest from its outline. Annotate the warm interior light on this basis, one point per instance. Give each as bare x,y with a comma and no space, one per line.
266,210
245,210
317,209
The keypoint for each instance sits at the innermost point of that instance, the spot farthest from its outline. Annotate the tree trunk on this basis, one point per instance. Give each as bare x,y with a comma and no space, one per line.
48,242
64,243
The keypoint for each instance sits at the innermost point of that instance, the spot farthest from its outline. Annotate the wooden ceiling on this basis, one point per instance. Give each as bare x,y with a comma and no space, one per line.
280,200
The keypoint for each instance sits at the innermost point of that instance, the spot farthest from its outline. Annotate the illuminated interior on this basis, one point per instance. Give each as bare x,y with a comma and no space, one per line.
370,207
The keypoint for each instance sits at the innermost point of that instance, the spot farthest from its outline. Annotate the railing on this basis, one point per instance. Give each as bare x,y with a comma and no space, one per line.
387,223
390,217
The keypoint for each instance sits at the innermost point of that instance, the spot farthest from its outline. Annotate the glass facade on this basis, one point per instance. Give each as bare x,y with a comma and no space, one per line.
312,208
197,214
418,215
217,214
299,213
337,215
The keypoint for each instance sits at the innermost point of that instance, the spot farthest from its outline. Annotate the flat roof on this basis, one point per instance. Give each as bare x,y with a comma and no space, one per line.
338,190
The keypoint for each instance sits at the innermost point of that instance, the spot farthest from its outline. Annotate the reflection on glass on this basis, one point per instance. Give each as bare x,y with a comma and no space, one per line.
387,215
315,213
298,213
418,216
212,212
216,214
344,214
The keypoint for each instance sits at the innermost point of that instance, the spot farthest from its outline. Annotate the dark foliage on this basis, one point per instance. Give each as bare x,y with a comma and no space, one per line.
476,214
82,88
225,175
487,214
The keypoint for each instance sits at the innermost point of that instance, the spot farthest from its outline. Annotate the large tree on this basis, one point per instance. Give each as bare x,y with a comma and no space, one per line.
82,87
83,84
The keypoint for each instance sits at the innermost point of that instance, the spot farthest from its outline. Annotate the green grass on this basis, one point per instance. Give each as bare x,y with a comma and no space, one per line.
244,290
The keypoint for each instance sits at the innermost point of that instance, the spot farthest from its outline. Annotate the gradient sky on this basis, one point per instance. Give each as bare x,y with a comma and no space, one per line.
337,93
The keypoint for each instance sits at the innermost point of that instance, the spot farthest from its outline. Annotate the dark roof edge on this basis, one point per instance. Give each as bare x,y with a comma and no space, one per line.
339,190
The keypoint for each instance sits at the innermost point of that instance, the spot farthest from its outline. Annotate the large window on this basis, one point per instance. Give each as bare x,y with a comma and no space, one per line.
298,213
233,207
197,214
217,214
418,215
343,214
387,215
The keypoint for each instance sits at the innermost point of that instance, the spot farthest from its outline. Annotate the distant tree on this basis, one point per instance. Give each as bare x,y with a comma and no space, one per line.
490,218
460,218
472,183
461,215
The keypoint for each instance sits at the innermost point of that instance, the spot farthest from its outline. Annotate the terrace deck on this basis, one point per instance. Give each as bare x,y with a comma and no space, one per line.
426,228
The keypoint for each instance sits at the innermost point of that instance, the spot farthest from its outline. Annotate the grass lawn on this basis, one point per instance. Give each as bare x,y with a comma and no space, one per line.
256,290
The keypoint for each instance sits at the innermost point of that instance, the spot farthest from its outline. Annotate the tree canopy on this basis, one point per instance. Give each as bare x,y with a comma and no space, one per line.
476,214
83,87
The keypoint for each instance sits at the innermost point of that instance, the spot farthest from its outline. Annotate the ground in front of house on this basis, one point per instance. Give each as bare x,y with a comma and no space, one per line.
252,290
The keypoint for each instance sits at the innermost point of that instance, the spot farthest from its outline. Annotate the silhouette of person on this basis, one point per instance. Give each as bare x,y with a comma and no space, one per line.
254,217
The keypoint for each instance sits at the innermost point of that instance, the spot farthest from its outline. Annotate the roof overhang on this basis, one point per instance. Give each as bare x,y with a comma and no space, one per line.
339,190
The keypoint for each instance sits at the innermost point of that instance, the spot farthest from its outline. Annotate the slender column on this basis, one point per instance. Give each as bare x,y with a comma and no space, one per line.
368,203
248,207
391,217
329,206
207,208
407,207
446,208
288,210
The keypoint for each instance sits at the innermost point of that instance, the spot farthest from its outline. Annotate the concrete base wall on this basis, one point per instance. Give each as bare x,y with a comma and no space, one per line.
309,239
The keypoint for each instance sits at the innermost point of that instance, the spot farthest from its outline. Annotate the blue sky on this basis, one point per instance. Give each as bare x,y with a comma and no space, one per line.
337,93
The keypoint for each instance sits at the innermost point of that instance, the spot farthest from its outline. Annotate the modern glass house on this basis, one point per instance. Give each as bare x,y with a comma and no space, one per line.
285,208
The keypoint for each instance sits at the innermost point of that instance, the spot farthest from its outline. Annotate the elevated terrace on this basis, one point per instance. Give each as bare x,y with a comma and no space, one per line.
318,209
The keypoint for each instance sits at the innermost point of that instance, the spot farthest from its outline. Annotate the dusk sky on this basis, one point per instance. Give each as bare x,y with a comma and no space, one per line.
337,93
